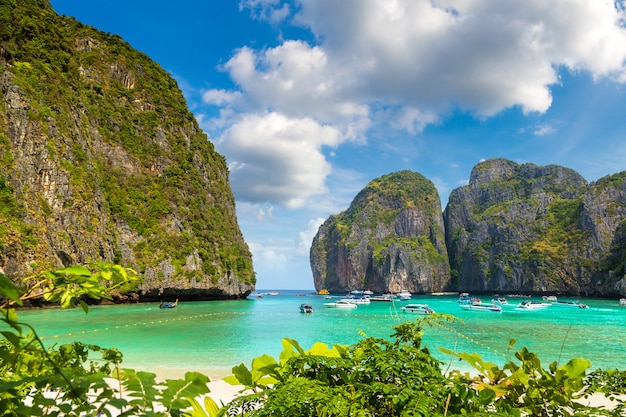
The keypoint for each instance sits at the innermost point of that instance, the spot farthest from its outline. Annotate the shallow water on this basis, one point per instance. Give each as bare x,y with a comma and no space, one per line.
215,336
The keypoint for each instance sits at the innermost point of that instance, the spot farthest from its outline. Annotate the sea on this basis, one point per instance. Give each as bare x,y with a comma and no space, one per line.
214,336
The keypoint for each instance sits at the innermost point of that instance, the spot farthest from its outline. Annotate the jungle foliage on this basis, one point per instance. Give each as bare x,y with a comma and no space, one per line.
374,377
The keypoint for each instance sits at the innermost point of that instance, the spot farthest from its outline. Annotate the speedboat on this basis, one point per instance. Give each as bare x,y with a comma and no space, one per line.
341,304
306,308
357,300
465,298
622,301
417,309
533,305
570,304
405,295
499,300
384,297
481,307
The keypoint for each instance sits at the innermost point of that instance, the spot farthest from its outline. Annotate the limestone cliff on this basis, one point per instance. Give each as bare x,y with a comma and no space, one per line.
100,160
531,229
513,228
391,238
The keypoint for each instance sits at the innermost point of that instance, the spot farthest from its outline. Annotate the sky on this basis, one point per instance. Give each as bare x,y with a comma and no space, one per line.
310,100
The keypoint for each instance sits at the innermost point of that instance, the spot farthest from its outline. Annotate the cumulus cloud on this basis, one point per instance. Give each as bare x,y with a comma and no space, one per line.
273,158
408,63
305,237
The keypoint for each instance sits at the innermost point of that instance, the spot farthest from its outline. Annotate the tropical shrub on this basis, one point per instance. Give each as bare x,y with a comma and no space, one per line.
77,379
378,377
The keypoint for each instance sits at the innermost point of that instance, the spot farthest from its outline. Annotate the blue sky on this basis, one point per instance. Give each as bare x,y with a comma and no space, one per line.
309,100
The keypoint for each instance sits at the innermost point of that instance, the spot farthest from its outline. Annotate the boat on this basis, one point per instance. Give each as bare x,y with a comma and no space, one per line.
570,304
323,291
549,298
384,297
357,300
464,297
499,300
481,307
405,295
272,293
533,305
622,301
341,304
306,308
169,305
368,292
417,309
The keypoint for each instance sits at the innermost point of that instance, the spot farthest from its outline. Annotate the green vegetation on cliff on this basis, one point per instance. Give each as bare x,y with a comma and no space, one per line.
116,125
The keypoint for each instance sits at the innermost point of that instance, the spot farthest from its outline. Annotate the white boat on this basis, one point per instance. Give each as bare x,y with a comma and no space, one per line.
368,292
622,301
575,304
357,300
499,300
384,297
405,295
417,309
306,308
465,298
549,298
481,307
533,305
341,304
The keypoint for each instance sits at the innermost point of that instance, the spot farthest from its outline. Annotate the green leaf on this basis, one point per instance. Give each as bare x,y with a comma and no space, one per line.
242,375
9,290
75,270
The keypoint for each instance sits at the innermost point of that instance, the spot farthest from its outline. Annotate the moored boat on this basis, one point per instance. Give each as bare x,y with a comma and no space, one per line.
499,300
465,298
622,301
417,309
565,303
384,297
533,305
357,300
405,295
306,308
481,307
341,304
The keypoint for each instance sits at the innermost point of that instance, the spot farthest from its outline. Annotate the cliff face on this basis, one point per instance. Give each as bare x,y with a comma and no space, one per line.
513,228
100,160
530,229
391,238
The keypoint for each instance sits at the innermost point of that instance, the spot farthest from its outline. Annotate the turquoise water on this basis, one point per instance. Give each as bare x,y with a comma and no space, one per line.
212,337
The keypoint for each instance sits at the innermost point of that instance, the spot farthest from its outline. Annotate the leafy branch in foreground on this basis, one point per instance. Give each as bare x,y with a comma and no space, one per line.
378,377
77,379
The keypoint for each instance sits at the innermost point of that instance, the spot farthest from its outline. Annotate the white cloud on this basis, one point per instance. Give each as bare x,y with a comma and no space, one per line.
408,63
304,239
220,97
276,159
544,130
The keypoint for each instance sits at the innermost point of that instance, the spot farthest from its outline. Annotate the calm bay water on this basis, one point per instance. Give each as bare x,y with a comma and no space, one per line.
212,337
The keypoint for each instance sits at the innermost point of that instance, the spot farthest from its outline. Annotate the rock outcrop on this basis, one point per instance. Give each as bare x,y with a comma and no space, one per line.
513,229
100,160
391,238
531,229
